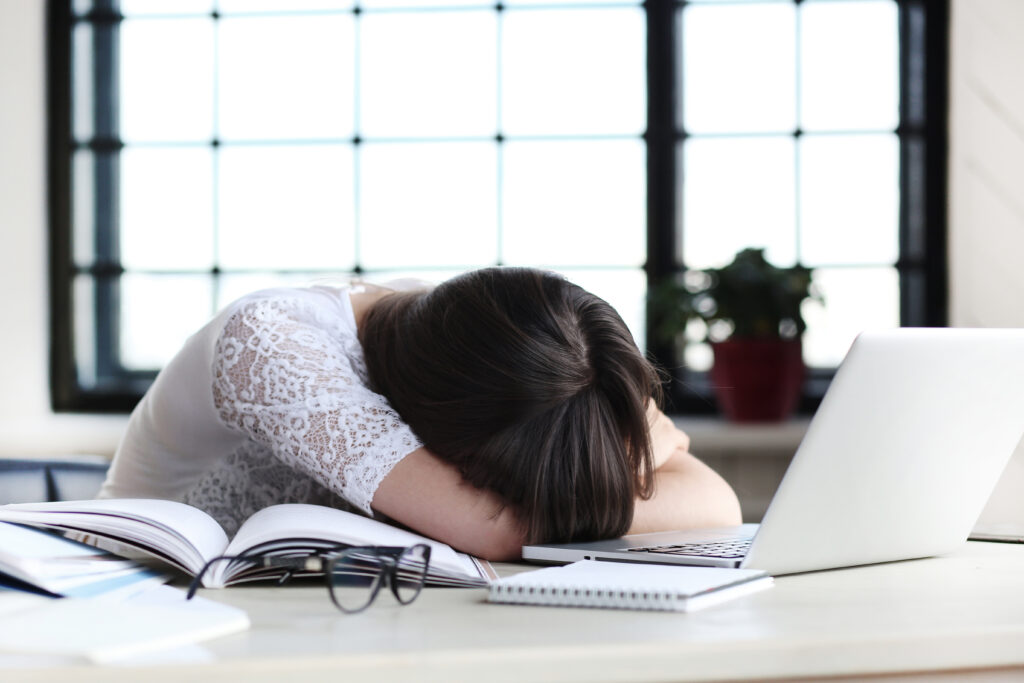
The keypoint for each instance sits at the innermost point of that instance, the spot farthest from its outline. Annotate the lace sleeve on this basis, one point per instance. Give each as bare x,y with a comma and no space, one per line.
291,375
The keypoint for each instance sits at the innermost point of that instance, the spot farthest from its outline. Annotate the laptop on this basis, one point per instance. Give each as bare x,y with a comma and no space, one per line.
897,462
1003,516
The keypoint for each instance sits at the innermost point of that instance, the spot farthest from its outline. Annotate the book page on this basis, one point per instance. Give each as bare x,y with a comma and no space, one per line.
295,520
162,527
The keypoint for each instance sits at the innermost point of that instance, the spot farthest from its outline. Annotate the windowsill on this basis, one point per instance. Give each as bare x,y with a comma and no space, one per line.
72,433
62,434
717,436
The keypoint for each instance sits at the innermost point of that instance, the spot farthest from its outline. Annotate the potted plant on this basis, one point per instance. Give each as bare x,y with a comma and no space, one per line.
751,309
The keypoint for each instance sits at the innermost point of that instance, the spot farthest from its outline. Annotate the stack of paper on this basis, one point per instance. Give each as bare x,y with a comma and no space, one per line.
115,609
104,630
62,567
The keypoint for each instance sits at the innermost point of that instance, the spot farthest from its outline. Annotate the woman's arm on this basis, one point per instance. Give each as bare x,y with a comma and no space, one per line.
687,493
429,496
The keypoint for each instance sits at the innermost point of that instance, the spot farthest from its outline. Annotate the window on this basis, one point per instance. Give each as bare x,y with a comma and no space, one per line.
205,148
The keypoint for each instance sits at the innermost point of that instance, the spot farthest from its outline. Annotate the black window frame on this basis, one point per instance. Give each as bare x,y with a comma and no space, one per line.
922,135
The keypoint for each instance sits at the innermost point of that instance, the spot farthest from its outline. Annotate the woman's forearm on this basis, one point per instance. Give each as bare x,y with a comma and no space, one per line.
687,494
429,496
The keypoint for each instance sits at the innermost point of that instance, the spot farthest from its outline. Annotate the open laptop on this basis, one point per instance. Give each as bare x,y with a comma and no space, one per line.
897,463
1003,516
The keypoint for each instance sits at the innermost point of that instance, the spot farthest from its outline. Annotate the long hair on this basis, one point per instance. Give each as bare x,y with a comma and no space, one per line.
531,386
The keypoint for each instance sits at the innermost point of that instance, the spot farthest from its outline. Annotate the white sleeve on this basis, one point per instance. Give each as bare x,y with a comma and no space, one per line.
286,372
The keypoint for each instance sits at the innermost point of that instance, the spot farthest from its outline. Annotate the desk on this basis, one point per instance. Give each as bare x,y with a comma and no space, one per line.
963,612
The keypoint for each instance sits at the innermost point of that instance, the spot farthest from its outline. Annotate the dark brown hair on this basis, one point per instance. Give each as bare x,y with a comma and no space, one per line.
531,386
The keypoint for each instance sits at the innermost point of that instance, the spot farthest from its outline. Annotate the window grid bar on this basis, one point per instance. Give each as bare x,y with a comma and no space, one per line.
663,99
65,387
115,270
116,144
499,137
357,149
215,157
106,220
798,107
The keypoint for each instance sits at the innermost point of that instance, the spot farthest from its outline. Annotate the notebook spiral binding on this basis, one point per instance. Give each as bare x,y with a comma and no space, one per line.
612,597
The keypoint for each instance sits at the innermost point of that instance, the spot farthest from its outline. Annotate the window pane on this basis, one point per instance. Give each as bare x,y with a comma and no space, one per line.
698,356
856,299
166,92
849,199
428,74
625,290
528,3
418,4
158,313
427,276
232,286
738,192
301,89
167,208
89,237
83,207
573,72
130,8
257,6
286,207
82,86
574,203
844,83
84,324
739,68
428,204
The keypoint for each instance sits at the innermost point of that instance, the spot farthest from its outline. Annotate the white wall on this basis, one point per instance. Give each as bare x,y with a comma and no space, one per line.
27,426
986,208
986,205
987,164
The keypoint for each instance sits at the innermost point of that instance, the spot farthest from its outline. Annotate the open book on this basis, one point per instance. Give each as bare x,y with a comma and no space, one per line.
186,537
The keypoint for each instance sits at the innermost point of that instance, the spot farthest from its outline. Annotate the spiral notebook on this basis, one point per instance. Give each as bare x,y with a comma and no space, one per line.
617,585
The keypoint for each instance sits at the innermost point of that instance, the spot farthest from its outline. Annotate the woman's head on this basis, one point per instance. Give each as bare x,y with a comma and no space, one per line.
532,387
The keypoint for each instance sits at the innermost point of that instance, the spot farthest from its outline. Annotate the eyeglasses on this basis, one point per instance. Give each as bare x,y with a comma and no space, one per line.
354,575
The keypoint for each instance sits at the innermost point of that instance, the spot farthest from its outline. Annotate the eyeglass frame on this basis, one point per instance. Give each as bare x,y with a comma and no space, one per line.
323,562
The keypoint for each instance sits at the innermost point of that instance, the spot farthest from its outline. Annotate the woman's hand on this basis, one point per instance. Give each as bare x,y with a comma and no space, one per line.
666,438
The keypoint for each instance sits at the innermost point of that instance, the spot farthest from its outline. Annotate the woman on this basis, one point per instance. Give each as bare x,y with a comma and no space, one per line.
503,406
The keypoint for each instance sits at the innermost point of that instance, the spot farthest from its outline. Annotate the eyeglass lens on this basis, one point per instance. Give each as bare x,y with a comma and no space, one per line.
410,573
356,576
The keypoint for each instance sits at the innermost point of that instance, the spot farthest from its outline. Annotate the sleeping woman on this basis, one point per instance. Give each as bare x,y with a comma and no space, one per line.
500,407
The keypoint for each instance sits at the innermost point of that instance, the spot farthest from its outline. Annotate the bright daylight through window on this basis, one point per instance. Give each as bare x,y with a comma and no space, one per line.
214,147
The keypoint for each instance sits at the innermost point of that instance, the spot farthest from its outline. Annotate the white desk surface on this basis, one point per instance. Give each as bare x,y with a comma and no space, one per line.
961,613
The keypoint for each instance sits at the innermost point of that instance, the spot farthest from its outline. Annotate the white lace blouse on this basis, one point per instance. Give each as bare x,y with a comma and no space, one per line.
268,403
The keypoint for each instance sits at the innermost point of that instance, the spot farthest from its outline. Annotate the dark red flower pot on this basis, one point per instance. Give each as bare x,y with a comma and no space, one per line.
757,380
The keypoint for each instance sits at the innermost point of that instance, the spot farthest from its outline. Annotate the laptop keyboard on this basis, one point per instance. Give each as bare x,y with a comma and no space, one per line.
735,548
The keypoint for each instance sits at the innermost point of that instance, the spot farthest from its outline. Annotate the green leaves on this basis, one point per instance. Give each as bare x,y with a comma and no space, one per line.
749,298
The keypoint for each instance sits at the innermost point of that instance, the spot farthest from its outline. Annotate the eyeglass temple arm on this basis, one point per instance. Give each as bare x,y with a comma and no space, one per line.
292,565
